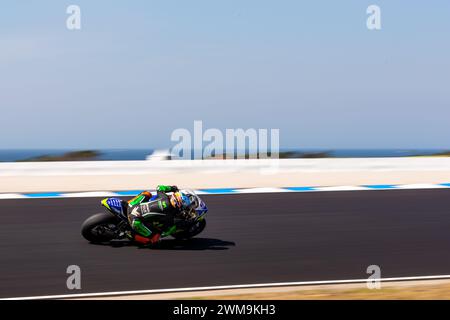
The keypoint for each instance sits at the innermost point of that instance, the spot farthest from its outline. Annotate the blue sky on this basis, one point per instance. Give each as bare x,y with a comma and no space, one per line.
138,70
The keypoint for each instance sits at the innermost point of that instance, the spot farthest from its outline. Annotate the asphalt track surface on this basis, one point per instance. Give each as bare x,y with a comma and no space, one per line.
250,238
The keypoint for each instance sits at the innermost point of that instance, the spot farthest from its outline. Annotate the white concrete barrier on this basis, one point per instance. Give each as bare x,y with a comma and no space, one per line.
131,175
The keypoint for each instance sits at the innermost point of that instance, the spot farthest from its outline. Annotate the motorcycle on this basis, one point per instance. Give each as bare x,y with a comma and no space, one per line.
113,224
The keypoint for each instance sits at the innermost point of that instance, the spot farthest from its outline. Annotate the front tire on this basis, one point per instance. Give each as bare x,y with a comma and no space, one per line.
194,230
100,227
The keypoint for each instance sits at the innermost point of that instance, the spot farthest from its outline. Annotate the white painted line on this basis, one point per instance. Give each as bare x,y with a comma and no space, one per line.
239,286
342,188
199,192
421,186
89,194
11,196
261,190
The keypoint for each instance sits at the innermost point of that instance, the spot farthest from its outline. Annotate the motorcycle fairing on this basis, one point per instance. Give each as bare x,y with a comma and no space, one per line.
202,208
114,205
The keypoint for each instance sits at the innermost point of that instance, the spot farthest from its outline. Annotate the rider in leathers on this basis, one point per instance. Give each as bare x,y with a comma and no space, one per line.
149,215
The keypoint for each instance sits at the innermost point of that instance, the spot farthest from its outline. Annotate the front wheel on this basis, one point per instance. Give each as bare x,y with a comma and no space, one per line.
101,227
193,230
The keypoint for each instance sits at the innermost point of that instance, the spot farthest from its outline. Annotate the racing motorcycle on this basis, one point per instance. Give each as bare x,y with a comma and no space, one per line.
113,224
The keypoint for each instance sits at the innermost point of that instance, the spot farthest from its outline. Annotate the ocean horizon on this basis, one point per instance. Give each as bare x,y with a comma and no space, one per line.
12,155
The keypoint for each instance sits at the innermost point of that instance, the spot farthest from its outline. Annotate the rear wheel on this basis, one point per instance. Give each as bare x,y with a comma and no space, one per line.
100,227
194,230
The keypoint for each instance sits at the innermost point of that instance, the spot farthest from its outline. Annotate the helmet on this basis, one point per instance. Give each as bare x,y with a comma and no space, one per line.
194,200
181,200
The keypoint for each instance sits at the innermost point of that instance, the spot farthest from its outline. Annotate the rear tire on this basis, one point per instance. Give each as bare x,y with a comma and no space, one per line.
97,228
192,232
